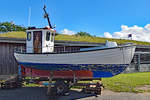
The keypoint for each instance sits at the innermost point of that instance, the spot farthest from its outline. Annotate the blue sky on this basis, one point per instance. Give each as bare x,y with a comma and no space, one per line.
93,16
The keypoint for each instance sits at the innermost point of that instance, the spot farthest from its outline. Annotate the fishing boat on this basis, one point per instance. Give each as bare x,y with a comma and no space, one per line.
105,61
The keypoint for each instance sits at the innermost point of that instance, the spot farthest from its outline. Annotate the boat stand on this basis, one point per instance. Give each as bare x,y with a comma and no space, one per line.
49,83
94,88
74,78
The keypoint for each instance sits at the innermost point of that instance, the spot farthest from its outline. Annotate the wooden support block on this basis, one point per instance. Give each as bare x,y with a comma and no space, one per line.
50,81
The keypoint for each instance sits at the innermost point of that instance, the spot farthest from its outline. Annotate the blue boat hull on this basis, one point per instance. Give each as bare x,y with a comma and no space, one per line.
98,70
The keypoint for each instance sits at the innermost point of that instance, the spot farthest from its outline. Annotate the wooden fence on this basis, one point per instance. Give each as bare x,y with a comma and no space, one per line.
8,64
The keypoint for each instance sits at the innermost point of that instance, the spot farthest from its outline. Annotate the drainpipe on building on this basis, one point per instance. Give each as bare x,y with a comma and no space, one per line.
138,62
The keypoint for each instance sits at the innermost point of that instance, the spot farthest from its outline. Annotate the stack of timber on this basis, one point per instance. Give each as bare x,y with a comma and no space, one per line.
91,88
12,82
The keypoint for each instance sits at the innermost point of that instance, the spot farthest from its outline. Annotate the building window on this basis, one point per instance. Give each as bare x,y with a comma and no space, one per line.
48,36
29,36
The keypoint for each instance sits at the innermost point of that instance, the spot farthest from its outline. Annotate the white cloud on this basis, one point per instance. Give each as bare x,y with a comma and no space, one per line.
147,27
107,34
138,33
68,32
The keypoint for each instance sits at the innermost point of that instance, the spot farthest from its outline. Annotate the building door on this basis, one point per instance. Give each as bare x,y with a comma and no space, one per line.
37,41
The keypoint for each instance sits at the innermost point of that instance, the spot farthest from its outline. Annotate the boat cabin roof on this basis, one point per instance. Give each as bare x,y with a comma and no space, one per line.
37,29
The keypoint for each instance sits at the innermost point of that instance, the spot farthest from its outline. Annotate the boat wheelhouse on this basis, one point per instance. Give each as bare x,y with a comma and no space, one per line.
40,40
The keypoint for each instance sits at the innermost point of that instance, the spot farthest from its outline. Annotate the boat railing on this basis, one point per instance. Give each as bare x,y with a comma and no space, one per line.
20,49
57,49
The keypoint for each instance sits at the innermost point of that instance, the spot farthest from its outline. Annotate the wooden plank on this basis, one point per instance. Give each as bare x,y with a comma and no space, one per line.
11,58
13,61
6,61
1,60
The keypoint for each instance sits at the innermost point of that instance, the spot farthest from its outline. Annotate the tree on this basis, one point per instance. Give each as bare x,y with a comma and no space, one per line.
82,34
9,26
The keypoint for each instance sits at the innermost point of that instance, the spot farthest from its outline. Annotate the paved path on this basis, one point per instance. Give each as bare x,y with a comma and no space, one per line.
37,93
108,95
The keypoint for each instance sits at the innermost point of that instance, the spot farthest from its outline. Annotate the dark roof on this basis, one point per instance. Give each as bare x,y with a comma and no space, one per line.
12,40
143,46
57,42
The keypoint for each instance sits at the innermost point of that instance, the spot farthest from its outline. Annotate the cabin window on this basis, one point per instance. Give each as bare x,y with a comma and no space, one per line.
52,38
29,36
47,36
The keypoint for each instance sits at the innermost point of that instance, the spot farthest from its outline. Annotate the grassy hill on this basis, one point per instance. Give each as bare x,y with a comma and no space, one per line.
19,34
75,38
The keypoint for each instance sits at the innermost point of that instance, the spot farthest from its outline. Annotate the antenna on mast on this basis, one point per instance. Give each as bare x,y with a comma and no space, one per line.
47,16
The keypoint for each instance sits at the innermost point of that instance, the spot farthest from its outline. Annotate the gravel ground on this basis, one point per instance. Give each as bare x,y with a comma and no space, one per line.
38,93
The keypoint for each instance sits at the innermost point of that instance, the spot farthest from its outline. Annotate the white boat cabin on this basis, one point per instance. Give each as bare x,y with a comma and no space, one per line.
40,40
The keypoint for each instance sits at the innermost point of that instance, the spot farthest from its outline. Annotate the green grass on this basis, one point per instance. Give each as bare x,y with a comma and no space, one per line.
19,34
127,82
75,38
97,39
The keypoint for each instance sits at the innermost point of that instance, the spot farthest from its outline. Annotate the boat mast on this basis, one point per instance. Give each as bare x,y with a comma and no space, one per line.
47,16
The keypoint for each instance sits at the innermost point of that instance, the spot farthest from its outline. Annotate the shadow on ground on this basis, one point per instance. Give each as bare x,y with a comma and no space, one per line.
74,94
38,93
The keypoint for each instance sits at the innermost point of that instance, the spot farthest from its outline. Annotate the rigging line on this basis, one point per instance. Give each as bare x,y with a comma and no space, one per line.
29,12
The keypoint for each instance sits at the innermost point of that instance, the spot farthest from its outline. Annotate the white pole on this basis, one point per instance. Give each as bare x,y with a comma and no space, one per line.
29,17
